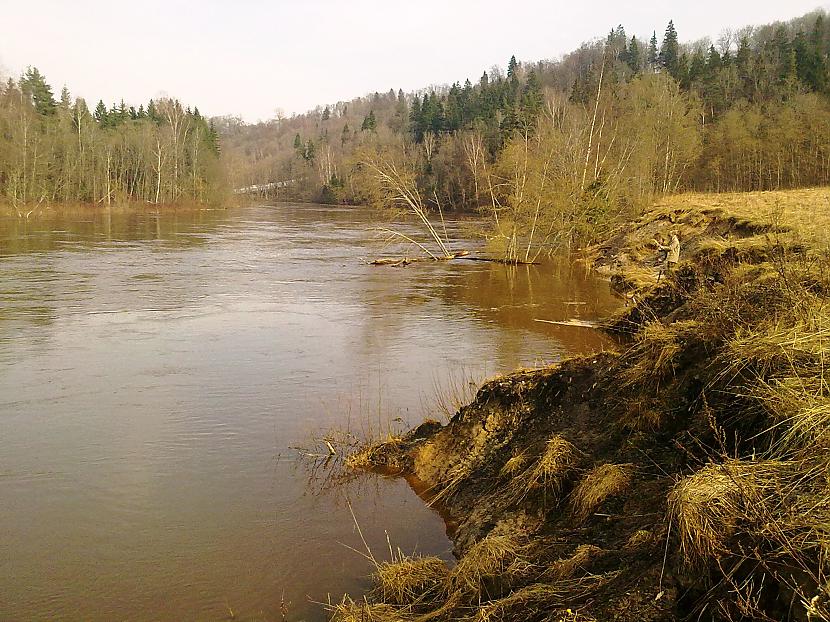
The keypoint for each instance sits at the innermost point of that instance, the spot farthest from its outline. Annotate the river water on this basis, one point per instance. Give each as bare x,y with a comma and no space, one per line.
157,369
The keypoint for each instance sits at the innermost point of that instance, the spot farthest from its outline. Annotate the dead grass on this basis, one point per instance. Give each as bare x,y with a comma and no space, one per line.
495,557
349,610
652,356
709,506
549,472
411,580
580,560
541,598
599,484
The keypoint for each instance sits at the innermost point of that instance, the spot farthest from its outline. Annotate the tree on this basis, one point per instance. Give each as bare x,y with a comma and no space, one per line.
326,114
652,55
669,58
369,122
33,84
101,115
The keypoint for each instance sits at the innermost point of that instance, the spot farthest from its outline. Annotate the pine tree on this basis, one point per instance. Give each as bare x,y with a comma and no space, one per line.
298,142
326,114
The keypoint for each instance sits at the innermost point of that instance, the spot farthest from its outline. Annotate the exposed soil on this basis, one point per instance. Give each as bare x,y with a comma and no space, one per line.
576,462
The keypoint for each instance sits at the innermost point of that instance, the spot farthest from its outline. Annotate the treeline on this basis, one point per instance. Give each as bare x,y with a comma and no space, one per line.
599,131
58,151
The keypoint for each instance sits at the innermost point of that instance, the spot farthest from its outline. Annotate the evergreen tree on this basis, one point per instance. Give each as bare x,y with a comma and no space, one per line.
66,98
532,99
652,56
633,55
512,68
100,114
298,142
326,114
669,57
33,84
369,122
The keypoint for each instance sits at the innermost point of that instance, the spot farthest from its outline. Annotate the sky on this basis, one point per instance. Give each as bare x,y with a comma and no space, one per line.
251,58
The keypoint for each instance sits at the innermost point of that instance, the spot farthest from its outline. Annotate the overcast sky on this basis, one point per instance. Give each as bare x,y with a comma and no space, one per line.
250,57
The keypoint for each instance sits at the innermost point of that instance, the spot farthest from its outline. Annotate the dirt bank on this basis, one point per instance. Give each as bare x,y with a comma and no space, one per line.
684,477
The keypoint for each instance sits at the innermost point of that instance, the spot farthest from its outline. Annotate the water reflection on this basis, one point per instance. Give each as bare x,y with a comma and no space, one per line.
155,369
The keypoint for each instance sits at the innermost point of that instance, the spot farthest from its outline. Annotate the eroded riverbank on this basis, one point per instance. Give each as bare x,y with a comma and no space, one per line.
684,476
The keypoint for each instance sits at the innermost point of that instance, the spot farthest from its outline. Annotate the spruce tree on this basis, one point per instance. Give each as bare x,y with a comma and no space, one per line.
669,57
100,114
33,84
632,56
326,114
512,67
652,56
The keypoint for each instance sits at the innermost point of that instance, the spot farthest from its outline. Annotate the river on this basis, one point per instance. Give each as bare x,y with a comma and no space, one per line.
156,371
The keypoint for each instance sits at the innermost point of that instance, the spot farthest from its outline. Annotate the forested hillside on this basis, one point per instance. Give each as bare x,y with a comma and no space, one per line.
61,152
580,139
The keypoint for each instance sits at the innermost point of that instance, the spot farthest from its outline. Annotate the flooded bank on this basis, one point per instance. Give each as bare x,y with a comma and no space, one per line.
156,369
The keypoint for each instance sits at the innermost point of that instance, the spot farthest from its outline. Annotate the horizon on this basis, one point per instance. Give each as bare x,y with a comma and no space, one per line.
222,64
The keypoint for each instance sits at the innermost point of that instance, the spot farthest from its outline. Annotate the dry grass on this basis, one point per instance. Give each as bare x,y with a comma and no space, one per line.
804,211
651,358
709,506
411,580
557,463
377,455
580,560
349,610
598,485
495,557
515,464
542,598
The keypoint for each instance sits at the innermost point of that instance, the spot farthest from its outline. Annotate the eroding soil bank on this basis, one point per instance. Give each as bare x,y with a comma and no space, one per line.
684,477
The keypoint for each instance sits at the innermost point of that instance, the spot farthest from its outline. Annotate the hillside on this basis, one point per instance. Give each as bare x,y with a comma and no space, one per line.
632,117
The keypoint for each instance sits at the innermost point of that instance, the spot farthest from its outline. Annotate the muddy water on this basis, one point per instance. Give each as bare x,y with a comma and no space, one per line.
156,370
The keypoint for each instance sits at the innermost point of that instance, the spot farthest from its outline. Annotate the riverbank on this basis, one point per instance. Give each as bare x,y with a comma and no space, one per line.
685,475
35,210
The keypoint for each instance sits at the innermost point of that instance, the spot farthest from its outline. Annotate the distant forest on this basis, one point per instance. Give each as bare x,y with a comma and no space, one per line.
604,129
60,151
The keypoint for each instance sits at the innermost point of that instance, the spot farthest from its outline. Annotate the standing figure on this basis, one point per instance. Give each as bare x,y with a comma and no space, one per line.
672,254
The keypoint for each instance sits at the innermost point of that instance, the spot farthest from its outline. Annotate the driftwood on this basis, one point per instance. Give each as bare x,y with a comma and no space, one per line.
571,322
405,261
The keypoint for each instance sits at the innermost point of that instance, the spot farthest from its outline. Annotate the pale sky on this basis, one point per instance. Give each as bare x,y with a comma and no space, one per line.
250,57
